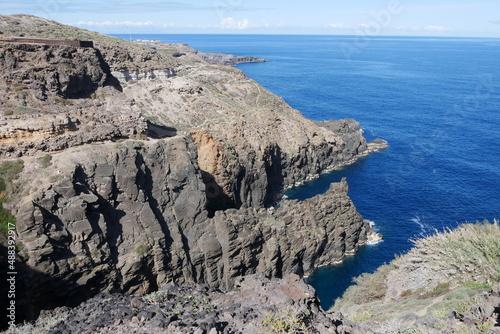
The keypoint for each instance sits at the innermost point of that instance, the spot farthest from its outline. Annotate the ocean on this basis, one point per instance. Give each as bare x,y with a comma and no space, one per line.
435,100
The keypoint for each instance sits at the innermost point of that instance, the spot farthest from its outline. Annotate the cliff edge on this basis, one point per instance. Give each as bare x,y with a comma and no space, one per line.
448,283
140,168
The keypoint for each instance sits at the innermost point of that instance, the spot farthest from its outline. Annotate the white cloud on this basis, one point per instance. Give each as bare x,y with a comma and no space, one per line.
437,28
230,23
115,24
227,23
410,28
338,26
426,28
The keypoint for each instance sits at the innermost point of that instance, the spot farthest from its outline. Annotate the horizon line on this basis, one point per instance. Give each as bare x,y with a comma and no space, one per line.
297,34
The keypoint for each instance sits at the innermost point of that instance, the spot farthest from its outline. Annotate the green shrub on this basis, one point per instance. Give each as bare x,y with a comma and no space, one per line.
63,101
440,313
42,325
359,317
6,219
157,297
439,289
9,172
459,300
20,110
142,249
45,161
472,251
284,322
475,285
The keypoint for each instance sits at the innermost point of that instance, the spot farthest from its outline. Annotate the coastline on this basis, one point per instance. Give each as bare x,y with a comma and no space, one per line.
214,58
191,207
373,146
73,204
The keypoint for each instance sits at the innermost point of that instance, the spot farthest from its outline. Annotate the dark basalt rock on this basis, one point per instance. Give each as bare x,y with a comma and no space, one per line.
68,72
193,202
138,221
257,305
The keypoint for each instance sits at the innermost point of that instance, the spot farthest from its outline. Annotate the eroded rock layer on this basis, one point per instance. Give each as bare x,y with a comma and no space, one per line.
132,218
143,167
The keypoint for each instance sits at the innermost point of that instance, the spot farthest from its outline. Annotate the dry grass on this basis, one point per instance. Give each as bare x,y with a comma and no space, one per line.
368,288
459,300
41,326
286,321
472,250
470,257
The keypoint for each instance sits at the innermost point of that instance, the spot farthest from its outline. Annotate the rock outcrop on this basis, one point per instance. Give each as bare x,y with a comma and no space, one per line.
42,70
132,218
257,305
179,50
230,60
50,100
107,206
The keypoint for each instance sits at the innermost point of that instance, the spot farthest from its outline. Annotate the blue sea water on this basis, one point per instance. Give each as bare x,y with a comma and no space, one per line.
435,100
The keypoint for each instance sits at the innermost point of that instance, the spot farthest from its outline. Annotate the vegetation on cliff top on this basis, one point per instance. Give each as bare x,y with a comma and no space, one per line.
35,27
9,172
441,278
127,54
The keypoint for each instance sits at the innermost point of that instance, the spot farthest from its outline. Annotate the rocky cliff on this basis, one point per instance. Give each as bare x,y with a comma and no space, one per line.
143,168
256,305
132,216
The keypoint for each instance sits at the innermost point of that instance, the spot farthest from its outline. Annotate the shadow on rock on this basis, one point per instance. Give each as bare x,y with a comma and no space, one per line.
30,300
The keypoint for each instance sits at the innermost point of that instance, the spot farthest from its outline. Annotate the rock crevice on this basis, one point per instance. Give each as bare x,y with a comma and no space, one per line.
138,219
106,208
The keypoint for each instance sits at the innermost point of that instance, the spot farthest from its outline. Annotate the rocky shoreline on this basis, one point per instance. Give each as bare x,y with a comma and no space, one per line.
144,183
179,50
106,204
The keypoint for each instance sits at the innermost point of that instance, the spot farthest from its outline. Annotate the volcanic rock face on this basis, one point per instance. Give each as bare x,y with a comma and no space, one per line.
42,69
115,209
49,99
132,218
257,305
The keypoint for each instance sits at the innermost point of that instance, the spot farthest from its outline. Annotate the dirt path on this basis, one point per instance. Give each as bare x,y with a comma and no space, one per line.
435,301
258,96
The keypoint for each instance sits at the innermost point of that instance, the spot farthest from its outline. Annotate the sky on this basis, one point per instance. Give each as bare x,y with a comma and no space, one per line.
467,18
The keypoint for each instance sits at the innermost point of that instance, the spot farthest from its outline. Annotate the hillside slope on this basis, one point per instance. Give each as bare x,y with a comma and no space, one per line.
448,283
140,168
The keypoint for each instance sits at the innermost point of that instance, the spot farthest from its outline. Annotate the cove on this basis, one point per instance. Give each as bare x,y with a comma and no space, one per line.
435,100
